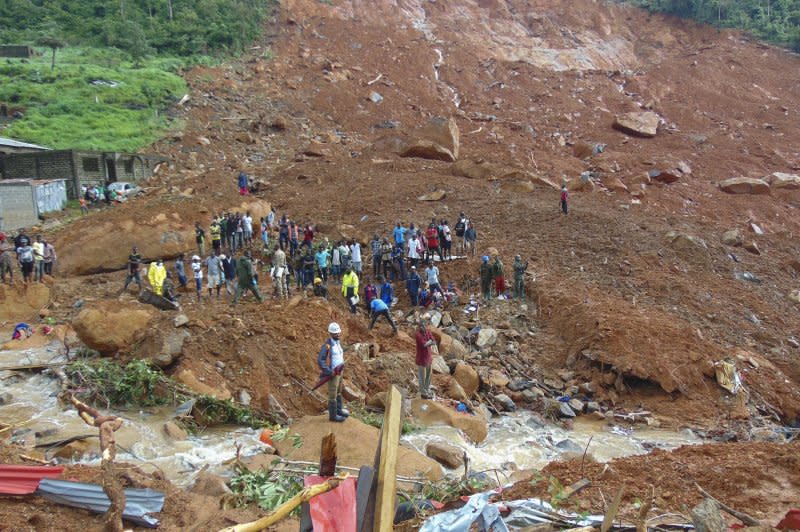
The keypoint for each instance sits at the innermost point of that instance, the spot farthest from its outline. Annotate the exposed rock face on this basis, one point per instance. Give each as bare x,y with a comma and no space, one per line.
17,303
639,124
468,378
432,413
110,326
779,180
425,149
744,185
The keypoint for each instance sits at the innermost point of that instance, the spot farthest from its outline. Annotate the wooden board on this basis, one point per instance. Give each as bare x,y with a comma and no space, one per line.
387,470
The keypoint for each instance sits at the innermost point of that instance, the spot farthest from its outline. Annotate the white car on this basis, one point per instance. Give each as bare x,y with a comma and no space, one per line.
124,188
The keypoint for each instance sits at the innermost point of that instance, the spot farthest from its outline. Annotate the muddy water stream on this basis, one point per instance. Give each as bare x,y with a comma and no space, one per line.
516,439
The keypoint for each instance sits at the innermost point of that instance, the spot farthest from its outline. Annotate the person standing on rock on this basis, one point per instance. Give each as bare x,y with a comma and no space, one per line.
486,278
446,241
432,237
414,250
564,199
424,359
331,364
350,289
413,284
247,227
180,269
386,256
134,269
228,266
200,238
321,257
197,271
6,262
244,274
279,272
156,274
519,277
336,263
378,308
461,230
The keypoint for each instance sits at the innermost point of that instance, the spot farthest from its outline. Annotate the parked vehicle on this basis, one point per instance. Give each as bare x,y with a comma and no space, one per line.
124,188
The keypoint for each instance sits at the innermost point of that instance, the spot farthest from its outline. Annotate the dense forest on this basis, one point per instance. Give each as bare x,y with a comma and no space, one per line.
138,27
776,21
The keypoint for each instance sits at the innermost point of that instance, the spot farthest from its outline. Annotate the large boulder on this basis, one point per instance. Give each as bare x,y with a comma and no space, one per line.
641,124
110,326
449,347
430,413
744,185
355,446
474,169
467,377
448,455
442,131
18,303
779,180
426,149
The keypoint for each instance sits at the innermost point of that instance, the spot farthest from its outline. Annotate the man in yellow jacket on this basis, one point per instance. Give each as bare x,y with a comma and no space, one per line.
156,275
350,288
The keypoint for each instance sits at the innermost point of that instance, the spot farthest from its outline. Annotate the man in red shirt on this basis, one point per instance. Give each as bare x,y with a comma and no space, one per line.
308,236
432,237
424,340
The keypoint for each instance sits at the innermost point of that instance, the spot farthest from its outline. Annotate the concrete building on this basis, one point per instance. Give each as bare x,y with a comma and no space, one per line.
15,146
79,167
23,201
16,50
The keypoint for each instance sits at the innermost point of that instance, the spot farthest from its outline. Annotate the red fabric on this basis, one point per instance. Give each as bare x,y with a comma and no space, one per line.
500,285
433,237
308,234
564,195
22,480
791,521
424,357
335,510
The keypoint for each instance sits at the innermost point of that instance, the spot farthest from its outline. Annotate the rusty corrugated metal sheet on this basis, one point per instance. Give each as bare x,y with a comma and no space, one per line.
22,480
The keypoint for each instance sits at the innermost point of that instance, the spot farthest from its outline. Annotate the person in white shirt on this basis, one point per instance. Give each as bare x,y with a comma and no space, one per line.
331,365
247,226
355,256
414,250
197,269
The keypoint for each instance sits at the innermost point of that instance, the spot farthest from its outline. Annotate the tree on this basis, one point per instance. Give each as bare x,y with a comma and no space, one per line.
54,44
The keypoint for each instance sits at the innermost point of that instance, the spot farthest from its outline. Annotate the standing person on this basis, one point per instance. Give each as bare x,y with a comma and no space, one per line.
134,269
180,269
336,262
156,274
564,199
246,279
432,277
379,308
350,289
424,359
499,276
398,264
461,230
6,262
322,263
447,241
279,272
432,237
265,233
387,292
293,236
308,236
26,260
308,268
50,257
486,278
200,238
38,259
414,250
355,255
375,249
242,182
247,228
271,218
413,284
399,235
519,277
283,233
228,265
240,231
216,236
84,208
470,239
370,293
197,270
214,270
386,256
331,364
344,255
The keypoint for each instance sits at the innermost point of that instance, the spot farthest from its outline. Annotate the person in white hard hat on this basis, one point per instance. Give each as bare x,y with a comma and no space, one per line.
331,364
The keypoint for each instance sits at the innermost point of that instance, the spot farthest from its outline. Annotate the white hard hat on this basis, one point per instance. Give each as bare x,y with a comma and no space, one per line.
334,328
195,257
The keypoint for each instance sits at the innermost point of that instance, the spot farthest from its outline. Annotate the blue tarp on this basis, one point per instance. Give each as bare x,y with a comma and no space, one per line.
138,502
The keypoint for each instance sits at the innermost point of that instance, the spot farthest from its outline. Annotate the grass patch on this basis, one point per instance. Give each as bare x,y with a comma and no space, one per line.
375,419
93,99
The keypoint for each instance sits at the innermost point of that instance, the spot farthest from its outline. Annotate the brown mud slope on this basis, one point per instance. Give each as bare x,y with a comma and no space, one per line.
756,478
634,285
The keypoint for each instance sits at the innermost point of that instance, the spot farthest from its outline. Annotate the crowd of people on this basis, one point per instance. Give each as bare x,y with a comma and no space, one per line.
35,257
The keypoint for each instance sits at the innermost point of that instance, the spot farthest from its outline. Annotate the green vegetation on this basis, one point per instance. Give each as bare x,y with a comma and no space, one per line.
268,489
137,384
776,21
375,419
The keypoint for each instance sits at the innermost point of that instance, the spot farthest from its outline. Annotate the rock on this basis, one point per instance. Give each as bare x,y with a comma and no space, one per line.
744,185
474,169
664,176
486,337
18,304
442,131
377,400
529,396
174,431
565,410
245,397
518,187
280,123
642,124
447,320
430,413
794,296
565,374
587,388
438,365
706,517
581,183
187,378
614,184
449,347
779,180
435,318
483,412
756,229
467,377
5,398
210,484
352,393
733,237
170,349
569,446
110,326
181,320
684,242
448,455
752,247
497,378
425,149
576,405
520,385
505,402
436,195
76,450
456,392
592,406
375,97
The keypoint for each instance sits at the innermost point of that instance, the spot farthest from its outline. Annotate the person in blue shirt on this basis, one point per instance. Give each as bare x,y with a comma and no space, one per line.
387,293
399,234
322,263
378,308
413,284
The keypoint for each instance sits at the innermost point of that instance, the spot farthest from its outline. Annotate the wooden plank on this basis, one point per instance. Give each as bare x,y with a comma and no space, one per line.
608,520
576,487
387,471
366,475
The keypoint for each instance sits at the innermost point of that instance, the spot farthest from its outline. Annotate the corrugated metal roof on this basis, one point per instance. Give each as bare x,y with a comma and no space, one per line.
22,480
28,181
11,143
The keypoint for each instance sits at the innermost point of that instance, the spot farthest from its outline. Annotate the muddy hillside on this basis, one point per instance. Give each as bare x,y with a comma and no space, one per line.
679,256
